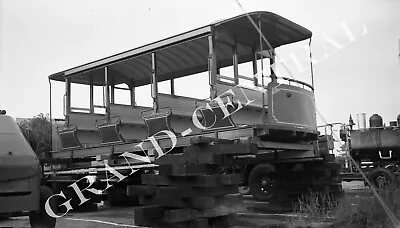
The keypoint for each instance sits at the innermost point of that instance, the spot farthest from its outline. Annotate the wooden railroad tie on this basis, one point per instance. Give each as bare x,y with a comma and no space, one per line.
190,189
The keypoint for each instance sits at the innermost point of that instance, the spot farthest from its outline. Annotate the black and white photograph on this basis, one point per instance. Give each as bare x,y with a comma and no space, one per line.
200,114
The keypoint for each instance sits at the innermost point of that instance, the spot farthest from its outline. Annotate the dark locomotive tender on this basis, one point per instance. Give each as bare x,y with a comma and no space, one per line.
376,149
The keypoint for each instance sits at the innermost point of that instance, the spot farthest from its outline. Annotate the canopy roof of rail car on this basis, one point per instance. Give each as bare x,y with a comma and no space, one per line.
187,53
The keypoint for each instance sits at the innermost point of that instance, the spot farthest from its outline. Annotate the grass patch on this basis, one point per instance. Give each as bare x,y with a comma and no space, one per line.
313,209
348,211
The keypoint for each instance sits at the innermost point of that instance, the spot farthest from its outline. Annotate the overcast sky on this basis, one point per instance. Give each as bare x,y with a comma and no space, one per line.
358,72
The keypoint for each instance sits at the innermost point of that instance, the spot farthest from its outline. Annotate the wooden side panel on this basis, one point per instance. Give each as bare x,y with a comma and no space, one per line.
291,106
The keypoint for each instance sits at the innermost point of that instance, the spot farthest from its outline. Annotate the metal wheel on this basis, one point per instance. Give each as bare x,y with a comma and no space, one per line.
382,181
381,177
262,184
266,184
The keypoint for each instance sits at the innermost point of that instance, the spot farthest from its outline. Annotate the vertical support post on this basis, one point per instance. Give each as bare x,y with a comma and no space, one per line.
255,71
51,117
347,143
262,119
212,66
91,95
311,65
235,64
172,82
261,49
274,78
132,92
67,101
112,93
107,93
154,88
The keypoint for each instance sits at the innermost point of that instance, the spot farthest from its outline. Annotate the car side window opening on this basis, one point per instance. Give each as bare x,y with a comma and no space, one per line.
122,94
98,100
143,96
194,86
78,91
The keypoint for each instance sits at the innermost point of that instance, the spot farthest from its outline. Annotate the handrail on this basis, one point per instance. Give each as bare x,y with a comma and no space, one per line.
225,77
232,79
296,81
245,77
252,79
331,124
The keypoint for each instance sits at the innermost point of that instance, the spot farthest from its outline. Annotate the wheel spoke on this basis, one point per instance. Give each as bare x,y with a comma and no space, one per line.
266,183
382,181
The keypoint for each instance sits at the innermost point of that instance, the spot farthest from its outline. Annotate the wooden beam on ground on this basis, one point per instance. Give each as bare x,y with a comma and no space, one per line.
140,190
187,170
284,146
185,191
148,215
229,206
234,148
190,158
193,181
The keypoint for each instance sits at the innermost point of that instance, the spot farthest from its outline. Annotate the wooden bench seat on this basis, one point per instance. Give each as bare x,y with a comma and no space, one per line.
182,111
180,106
132,127
94,129
128,114
86,129
244,94
252,113
68,138
109,131
85,121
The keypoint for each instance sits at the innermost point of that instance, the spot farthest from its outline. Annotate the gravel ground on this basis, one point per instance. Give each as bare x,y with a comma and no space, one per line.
262,216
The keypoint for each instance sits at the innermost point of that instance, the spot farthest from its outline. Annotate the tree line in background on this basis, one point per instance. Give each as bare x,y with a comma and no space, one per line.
37,132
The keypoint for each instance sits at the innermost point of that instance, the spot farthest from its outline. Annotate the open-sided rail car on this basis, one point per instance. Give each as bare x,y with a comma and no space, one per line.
264,124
